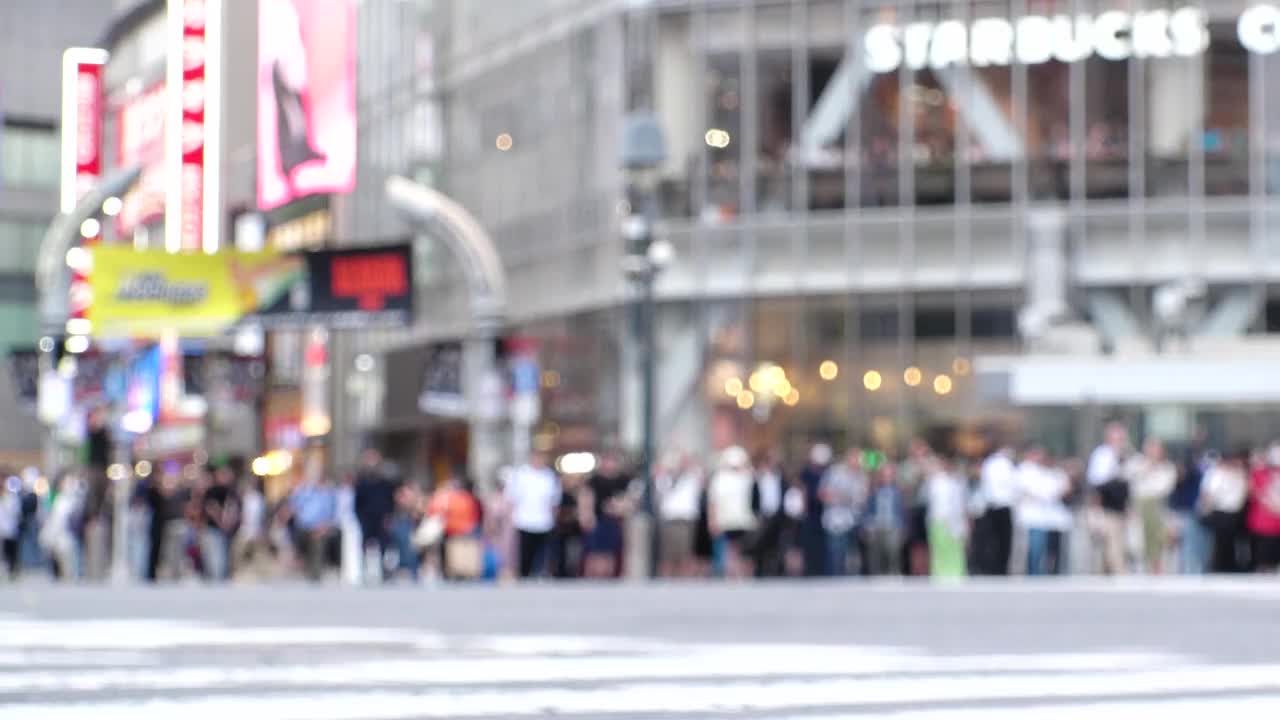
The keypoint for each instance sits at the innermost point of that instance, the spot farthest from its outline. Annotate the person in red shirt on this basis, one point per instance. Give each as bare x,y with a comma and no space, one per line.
461,552
1264,511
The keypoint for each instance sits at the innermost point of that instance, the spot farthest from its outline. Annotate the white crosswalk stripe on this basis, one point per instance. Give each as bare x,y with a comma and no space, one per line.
144,669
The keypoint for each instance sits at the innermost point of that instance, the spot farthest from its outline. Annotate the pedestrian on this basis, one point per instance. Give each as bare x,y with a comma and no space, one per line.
501,553
1110,497
404,525
610,505
1264,512
729,513
221,508
813,539
375,503
534,492
678,486
912,481
567,537
1152,477
844,495
313,506
884,523
1222,500
10,523
250,545
948,520
58,535
462,550
999,487
771,485
1042,513
1193,536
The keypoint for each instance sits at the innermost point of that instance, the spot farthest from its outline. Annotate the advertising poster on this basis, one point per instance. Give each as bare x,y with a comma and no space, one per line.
140,141
144,294
306,99
350,288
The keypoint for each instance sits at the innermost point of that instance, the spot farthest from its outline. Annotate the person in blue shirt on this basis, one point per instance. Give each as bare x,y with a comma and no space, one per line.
884,522
313,509
1193,536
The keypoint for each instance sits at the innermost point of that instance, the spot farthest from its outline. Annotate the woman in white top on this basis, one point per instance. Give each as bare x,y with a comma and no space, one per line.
1151,479
679,489
1222,498
729,512
948,521
1042,512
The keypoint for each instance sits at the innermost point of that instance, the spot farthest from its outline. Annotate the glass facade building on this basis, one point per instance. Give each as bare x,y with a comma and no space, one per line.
874,196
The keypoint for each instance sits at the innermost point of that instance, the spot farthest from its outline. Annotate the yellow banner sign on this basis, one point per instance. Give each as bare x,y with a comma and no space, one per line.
141,293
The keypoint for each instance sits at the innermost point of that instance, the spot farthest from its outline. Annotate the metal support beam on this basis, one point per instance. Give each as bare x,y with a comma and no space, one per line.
426,210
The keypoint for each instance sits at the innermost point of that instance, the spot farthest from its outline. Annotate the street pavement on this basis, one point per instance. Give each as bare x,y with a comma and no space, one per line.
989,650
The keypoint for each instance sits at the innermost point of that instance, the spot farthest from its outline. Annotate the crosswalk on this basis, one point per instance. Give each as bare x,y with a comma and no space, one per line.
149,669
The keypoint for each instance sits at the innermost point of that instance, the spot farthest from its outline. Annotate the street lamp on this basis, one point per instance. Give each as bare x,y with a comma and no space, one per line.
643,153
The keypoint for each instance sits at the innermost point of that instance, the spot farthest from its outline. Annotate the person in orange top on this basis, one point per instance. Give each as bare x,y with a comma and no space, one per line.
459,508
454,503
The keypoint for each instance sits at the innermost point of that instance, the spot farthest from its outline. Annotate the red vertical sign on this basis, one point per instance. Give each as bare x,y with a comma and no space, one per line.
193,126
88,158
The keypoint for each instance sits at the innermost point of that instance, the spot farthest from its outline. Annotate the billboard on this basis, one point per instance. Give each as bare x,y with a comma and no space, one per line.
306,99
350,288
140,141
144,294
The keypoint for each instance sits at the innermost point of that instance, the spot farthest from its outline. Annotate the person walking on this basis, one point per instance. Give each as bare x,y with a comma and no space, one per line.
813,539
375,504
771,485
610,505
221,508
567,537
679,485
1222,501
884,523
1152,477
534,492
729,513
250,545
1110,496
844,496
58,534
912,481
1264,512
999,487
1041,511
948,499
313,505
10,524
1193,536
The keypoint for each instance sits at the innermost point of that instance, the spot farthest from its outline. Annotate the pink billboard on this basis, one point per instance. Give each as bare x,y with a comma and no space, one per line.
306,99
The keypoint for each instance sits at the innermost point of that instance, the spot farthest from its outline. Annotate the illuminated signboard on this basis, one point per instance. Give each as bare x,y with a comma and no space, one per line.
140,130
306,99
1034,39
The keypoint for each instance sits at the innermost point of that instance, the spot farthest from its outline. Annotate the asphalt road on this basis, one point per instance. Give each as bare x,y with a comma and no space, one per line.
911,651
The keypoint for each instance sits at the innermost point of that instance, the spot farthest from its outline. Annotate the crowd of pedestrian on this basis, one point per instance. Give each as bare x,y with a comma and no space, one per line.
1007,511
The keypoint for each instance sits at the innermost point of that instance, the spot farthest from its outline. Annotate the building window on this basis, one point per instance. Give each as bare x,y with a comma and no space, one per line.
29,158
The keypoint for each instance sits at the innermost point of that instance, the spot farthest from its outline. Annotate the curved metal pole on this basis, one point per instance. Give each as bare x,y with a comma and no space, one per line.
487,287
52,278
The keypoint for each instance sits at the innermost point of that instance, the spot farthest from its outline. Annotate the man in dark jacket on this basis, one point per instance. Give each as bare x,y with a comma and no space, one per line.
375,500
812,537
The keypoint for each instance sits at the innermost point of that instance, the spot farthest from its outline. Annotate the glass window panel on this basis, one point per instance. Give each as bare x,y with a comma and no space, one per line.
831,106
724,135
1226,112
878,126
1268,67
775,84
1106,122
1048,131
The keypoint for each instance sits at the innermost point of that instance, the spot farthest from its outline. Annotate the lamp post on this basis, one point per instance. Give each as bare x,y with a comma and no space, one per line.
643,153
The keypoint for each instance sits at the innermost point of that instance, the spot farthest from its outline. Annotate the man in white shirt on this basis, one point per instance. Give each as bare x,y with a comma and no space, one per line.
1105,474
1042,511
999,486
534,492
